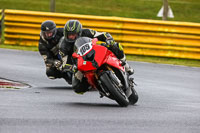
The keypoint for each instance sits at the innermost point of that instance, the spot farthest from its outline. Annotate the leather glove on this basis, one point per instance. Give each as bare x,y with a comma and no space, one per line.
75,69
67,68
57,63
110,42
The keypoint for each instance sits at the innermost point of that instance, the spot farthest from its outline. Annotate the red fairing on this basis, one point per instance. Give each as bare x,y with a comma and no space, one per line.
91,79
100,55
113,61
84,65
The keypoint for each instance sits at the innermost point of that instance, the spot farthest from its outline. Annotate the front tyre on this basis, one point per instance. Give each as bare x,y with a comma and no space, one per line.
116,92
133,98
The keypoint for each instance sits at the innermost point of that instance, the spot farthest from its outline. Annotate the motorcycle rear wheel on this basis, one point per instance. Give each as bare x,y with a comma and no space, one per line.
114,90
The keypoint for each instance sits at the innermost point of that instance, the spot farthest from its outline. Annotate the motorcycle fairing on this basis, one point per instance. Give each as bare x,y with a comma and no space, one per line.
100,54
113,61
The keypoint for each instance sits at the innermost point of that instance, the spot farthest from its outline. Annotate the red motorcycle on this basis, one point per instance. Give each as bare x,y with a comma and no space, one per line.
104,72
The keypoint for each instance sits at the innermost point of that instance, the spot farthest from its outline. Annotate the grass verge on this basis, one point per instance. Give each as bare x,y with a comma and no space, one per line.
26,48
184,10
159,60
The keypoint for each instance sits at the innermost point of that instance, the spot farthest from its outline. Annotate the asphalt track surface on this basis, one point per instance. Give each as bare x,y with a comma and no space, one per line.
169,101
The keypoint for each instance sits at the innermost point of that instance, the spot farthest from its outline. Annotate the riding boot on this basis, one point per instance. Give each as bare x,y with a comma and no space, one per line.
68,77
79,83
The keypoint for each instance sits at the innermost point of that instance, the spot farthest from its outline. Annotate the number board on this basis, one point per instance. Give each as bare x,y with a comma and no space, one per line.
85,48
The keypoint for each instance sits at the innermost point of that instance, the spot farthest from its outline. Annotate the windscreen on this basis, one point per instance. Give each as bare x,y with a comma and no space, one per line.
83,45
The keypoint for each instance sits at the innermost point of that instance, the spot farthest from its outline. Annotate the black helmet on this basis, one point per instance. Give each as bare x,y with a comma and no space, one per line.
74,28
48,29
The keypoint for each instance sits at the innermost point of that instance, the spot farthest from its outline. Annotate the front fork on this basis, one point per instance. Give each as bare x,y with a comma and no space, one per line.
103,91
128,84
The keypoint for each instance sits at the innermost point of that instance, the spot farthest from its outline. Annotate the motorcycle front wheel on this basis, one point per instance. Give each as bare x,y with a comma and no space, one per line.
133,98
116,92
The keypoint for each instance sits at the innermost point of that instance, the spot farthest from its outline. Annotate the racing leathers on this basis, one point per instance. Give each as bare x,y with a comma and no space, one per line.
49,50
79,83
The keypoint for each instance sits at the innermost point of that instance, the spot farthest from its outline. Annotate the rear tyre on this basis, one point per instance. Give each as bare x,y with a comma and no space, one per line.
116,92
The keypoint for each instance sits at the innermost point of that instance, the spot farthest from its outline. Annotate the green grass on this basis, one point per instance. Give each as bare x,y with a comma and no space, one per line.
184,10
26,48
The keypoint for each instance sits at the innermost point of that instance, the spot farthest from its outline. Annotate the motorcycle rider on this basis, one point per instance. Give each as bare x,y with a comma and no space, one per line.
72,31
49,50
